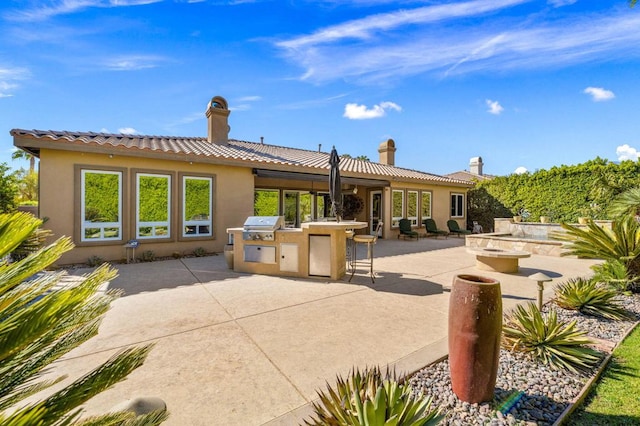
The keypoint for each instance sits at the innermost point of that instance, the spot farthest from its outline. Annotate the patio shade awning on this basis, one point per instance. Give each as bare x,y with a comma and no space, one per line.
278,174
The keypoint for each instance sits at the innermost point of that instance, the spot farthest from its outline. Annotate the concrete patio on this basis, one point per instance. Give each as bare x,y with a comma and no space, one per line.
239,349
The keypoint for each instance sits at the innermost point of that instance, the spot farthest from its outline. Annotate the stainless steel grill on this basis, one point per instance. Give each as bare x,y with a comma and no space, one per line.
262,228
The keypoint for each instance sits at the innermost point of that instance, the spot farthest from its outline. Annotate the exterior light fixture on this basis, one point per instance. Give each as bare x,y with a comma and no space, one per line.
540,278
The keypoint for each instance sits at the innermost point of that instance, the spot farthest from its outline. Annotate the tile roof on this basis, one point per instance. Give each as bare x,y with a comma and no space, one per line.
241,153
468,176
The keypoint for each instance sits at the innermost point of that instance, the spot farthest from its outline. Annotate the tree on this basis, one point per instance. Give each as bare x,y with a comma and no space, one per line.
27,185
20,154
40,323
8,189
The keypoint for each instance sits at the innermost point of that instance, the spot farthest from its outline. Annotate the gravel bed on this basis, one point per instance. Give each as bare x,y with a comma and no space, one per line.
527,392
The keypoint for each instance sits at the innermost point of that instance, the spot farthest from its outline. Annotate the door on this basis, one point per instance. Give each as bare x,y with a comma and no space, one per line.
320,255
375,210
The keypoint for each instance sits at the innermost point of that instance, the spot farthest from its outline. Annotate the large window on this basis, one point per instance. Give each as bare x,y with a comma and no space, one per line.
101,205
412,207
153,201
426,205
197,200
457,205
266,202
397,208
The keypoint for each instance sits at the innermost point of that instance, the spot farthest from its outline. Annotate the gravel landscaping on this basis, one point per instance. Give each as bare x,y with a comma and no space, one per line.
527,392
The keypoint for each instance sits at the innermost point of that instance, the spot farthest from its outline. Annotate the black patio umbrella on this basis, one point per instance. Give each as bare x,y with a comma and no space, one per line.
335,188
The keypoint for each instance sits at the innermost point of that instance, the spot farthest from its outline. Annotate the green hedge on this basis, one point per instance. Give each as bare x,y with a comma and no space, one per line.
564,193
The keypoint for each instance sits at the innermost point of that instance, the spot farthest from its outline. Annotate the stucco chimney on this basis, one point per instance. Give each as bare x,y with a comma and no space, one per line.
475,166
218,121
387,152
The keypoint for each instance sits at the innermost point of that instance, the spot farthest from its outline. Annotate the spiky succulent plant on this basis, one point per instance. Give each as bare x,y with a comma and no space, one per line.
589,298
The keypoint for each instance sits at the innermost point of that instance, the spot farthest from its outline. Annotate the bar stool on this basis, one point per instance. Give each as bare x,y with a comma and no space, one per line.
369,240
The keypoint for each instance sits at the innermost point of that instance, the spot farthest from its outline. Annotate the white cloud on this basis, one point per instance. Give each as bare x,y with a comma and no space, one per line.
494,107
437,40
64,7
598,94
361,112
9,78
128,131
132,62
626,152
520,170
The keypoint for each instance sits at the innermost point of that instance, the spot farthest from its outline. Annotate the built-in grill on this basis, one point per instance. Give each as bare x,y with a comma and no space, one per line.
262,228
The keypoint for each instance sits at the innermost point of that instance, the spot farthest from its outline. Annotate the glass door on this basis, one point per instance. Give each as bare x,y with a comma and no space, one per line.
375,210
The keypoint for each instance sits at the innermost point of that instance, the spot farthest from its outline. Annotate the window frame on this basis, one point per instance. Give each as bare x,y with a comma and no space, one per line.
280,197
422,203
396,219
459,204
413,219
154,224
184,222
81,225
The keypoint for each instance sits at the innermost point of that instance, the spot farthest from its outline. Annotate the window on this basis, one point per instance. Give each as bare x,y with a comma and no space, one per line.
101,205
153,201
397,208
457,205
426,205
412,207
323,205
196,206
266,202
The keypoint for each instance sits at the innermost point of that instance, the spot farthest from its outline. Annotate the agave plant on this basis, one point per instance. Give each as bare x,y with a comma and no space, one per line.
613,274
372,399
40,323
621,243
555,343
589,298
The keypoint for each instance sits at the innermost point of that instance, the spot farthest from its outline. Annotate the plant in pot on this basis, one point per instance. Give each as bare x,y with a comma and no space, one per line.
522,216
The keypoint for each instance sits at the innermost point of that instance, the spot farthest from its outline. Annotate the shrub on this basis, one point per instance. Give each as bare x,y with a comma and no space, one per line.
176,255
554,343
148,256
589,298
94,261
371,398
612,273
40,323
199,252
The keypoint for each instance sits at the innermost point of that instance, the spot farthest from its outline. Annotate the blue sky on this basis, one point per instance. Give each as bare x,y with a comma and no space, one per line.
523,84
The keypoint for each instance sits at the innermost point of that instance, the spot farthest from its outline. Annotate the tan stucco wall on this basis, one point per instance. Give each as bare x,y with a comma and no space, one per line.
233,202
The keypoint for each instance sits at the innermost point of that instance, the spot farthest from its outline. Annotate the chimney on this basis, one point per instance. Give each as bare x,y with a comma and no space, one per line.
475,166
387,152
218,121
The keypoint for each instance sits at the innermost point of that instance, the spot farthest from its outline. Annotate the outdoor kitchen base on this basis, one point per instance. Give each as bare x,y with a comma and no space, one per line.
318,249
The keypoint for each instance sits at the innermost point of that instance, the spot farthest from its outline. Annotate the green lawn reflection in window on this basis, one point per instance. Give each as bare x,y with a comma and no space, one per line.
101,205
197,204
153,201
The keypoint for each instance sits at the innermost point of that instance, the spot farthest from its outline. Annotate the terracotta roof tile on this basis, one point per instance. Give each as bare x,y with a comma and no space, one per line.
235,151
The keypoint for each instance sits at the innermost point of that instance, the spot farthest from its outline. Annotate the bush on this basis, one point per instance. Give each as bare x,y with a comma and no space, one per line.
589,298
371,398
148,256
552,342
612,273
94,261
199,252
40,323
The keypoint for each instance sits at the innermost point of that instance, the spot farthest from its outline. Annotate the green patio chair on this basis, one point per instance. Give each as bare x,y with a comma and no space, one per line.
455,229
432,229
406,231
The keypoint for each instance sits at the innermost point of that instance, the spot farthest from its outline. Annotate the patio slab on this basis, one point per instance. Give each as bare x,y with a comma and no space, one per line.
239,349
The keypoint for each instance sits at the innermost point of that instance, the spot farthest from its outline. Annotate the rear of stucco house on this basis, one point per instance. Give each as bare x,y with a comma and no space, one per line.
223,176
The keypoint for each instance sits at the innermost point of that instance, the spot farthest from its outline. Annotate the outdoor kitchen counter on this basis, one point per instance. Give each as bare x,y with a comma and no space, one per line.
318,249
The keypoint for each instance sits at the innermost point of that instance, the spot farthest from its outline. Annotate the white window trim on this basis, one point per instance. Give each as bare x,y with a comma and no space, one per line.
413,219
395,220
196,223
101,225
461,196
430,215
154,225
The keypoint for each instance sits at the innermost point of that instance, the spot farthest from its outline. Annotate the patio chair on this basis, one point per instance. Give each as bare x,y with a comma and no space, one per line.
432,229
455,229
369,241
406,231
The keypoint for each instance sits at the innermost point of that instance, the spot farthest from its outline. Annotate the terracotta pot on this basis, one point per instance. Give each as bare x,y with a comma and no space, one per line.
544,219
584,220
475,329
517,219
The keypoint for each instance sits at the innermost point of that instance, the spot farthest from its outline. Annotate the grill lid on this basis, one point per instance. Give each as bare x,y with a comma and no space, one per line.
263,223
